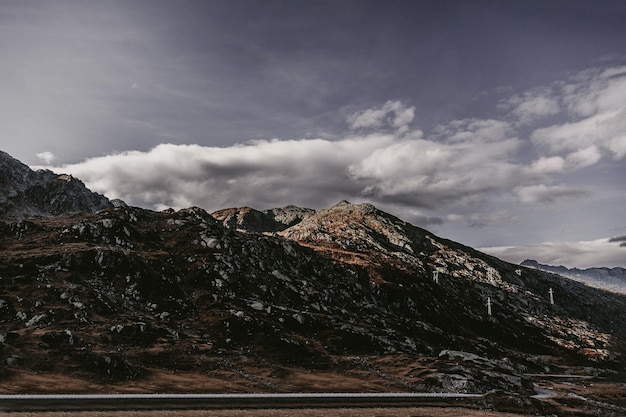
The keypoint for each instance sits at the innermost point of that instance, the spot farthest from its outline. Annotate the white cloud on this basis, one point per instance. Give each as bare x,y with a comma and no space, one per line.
369,118
617,146
464,161
603,130
392,114
477,130
541,193
403,118
582,254
596,103
595,91
548,165
260,173
533,105
583,157
430,174
392,169
47,157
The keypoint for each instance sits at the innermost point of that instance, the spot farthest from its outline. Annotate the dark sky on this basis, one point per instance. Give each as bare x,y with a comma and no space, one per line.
494,123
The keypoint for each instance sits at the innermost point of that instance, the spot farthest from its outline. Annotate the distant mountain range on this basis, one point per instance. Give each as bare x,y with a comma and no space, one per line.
350,298
613,279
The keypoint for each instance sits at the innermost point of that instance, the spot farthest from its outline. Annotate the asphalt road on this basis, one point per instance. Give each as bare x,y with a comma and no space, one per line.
224,401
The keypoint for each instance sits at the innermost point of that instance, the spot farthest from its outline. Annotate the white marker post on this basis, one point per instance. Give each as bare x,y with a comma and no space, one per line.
551,296
436,277
489,306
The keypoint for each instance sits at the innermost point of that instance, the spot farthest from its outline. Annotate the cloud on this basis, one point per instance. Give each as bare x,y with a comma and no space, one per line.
264,173
47,157
388,169
463,161
461,166
542,193
532,105
582,254
603,130
476,130
546,165
584,157
620,239
431,174
595,102
487,218
392,114
595,91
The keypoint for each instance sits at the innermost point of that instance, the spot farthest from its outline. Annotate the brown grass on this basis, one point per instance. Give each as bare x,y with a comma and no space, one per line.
20,381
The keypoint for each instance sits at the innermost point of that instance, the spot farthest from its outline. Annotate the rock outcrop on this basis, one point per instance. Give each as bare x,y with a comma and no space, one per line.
26,193
267,221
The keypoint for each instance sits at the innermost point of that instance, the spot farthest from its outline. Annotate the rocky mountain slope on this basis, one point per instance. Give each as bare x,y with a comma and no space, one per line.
118,292
348,298
26,193
613,279
400,262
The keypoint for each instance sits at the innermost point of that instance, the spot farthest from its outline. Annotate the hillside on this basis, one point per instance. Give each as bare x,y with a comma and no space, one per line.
347,299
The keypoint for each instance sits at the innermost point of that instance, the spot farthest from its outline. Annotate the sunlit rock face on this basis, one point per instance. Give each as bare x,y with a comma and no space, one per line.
349,291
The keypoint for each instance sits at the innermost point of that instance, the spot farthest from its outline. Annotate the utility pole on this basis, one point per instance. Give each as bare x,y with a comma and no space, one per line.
551,296
489,306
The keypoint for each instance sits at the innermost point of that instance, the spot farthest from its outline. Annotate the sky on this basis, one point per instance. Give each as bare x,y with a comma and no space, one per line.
497,124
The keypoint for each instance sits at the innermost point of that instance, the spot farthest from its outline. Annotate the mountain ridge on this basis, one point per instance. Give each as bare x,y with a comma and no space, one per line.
26,193
613,279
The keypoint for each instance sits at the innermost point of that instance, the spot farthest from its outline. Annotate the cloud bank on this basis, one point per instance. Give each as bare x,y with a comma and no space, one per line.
262,173
394,168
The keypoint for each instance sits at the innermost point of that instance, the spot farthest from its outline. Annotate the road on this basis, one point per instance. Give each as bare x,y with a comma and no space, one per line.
223,401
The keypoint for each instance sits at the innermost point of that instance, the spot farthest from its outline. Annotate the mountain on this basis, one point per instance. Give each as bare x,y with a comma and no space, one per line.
613,279
348,298
399,262
26,193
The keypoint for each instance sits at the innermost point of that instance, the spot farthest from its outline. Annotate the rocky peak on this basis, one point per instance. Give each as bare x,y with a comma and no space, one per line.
289,215
361,229
274,220
342,203
247,219
27,193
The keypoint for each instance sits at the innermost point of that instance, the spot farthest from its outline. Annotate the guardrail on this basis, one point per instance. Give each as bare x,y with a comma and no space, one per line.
84,402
